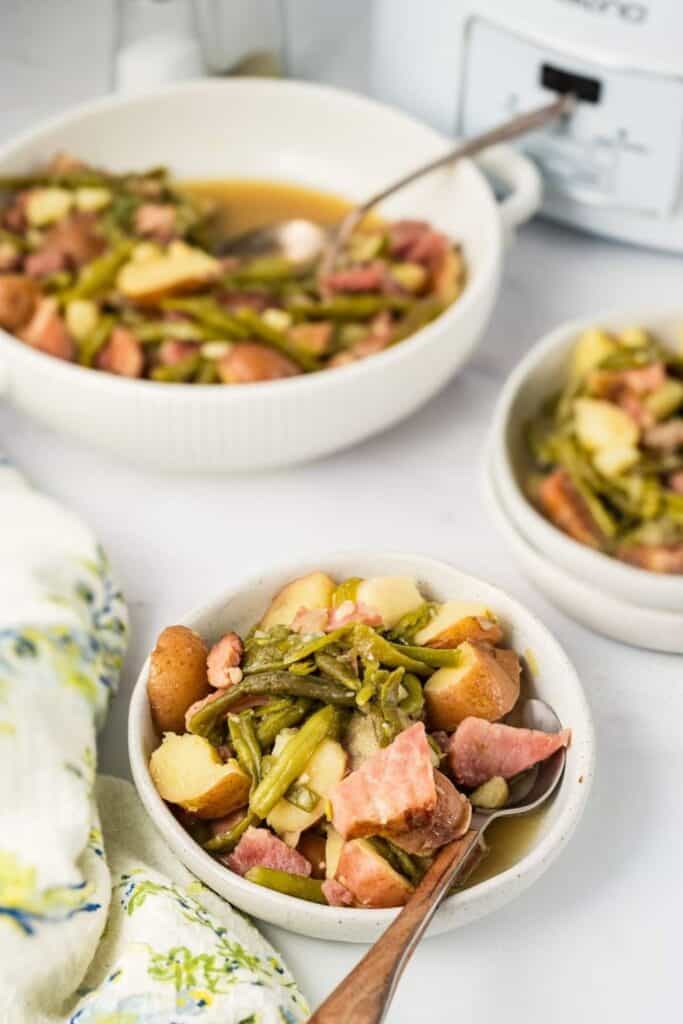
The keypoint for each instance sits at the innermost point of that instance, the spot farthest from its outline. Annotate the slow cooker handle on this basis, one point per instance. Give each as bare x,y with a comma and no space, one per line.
522,178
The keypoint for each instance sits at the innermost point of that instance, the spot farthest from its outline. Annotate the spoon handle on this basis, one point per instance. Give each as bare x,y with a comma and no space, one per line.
516,126
364,995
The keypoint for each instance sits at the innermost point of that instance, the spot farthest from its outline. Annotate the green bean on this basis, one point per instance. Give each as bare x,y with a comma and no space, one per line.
433,656
310,889
152,331
207,372
375,648
337,670
178,373
418,316
210,315
398,858
18,241
257,327
227,841
266,270
304,648
360,306
85,177
293,760
413,701
267,683
90,347
245,742
100,274
302,668
412,622
302,796
347,589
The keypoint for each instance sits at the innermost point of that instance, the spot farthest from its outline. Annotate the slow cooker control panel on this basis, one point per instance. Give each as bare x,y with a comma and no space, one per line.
623,147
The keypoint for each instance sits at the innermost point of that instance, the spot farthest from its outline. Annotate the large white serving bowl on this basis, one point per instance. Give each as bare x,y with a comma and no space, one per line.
540,374
294,132
554,679
635,625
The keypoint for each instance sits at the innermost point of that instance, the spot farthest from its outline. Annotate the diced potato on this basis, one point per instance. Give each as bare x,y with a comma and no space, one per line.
333,849
278,319
187,770
448,279
146,252
180,268
666,399
81,318
391,596
324,770
411,276
457,621
92,199
369,877
634,337
592,347
491,795
47,205
600,424
613,461
215,349
479,686
177,677
312,591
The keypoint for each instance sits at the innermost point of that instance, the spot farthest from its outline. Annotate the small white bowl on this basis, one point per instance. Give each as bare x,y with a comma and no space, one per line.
554,680
285,131
631,624
540,374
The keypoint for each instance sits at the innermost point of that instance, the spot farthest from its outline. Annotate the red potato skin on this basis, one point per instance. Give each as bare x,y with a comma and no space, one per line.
370,879
122,355
248,362
449,820
565,507
19,297
47,331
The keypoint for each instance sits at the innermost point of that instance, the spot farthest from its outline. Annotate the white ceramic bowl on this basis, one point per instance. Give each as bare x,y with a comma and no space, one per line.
630,623
540,374
289,131
554,680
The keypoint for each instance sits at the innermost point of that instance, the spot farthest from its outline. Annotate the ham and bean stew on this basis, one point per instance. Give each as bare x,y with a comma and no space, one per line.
333,749
607,451
124,273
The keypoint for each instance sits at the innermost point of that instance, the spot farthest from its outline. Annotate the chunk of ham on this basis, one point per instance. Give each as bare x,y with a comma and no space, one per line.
336,894
223,661
156,221
14,214
47,331
665,558
449,820
640,380
418,242
249,361
478,750
364,277
567,509
18,300
665,437
72,242
676,481
172,352
324,620
122,354
260,848
392,791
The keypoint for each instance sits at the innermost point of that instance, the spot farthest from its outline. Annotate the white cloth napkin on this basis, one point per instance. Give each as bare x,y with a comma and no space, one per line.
99,923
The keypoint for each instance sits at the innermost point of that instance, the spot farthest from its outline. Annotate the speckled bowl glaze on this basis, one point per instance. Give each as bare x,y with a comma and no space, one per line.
554,679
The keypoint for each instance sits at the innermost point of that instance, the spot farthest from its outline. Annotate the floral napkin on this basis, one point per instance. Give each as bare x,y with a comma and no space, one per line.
99,923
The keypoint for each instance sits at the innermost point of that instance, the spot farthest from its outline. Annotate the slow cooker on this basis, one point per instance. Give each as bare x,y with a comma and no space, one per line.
616,167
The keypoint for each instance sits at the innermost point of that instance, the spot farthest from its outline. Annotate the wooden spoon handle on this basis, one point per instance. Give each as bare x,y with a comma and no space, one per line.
364,995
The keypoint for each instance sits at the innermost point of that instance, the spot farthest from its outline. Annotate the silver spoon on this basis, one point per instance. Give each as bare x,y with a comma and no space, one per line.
304,241
365,994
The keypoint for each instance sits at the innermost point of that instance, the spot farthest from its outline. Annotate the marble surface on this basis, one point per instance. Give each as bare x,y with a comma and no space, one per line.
598,937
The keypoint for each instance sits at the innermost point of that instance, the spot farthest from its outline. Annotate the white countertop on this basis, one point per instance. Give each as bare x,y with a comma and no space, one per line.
598,937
